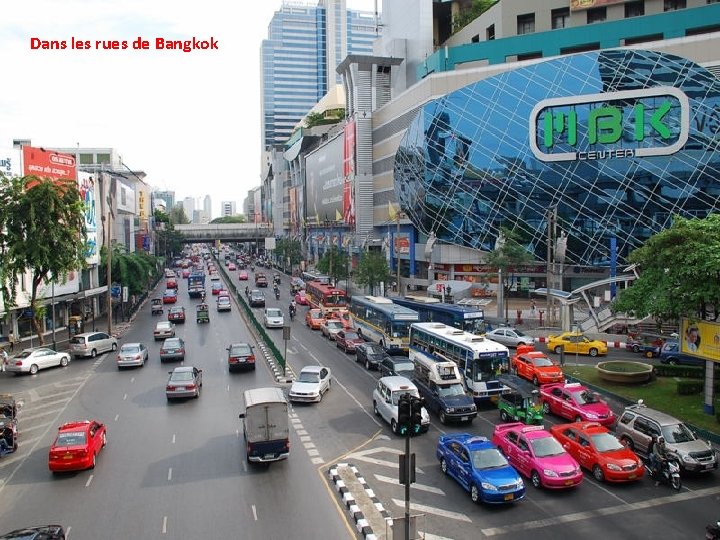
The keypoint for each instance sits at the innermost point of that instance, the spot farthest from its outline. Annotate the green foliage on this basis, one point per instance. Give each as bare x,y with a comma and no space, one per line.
335,263
177,216
160,216
687,388
508,255
131,270
286,248
467,16
679,273
239,218
691,372
372,270
331,116
43,234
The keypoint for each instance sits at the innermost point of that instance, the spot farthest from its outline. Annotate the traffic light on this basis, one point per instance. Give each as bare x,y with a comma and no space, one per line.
404,413
416,406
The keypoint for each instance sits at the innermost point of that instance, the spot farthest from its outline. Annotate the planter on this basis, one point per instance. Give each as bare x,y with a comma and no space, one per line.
622,371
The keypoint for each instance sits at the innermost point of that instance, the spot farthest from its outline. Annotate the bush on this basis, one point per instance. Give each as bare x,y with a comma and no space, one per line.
688,372
686,388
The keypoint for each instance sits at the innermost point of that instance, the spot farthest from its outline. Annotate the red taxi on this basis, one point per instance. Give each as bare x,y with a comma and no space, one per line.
170,296
243,275
301,299
598,451
535,366
176,314
77,446
575,402
171,283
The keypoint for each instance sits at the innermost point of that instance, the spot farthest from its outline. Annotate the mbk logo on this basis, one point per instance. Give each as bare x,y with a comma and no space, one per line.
666,124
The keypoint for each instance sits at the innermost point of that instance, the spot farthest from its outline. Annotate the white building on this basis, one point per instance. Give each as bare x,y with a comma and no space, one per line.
228,208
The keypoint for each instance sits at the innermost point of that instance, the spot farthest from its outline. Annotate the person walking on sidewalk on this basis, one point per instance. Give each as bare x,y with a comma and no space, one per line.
4,358
532,308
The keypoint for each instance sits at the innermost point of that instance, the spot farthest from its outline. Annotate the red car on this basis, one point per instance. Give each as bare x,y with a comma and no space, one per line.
313,318
77,446
176,314
186,273
171,283
170,296
232,267
301,299
243,275
575,402
598,451
216,288
535,366
347,340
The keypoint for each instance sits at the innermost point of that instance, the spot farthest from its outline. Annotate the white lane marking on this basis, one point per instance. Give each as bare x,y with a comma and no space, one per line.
173,439
132,379
428,536
305,438
433,510
27,417
317,460
67,533
599,512
245,467
296,420
89,480
313,453
421,487
228,387
116,417
301,432
237,433
381,462
169,474
38,406
309,445
25,430
164,527
124,397
254,510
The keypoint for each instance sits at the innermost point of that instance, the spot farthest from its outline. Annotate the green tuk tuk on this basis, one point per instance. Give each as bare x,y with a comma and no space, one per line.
202,313
522,403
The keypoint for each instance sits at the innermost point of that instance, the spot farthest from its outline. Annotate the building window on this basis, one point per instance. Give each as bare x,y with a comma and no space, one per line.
643,39
103,158
529,56
596,15
560,18
475,39
490,32
526,24
674,5
86,159
635,9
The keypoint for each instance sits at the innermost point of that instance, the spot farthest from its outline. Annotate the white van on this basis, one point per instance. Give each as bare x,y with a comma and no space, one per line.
266,425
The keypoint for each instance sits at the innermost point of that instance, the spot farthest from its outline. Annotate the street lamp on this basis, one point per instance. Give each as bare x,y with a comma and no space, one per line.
52,303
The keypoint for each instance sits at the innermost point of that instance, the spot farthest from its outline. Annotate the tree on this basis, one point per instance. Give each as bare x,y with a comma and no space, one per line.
43,234
132,270
286,248
372,270
238,218
177,216
334,262
506,257
679,273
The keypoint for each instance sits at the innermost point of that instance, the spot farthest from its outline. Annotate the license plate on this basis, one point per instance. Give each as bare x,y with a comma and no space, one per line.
269,456
632,477
709,466
463,418
68,456
569,482
181,388
509,497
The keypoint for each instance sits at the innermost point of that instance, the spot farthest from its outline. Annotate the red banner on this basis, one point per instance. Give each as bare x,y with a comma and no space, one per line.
349,150
48,164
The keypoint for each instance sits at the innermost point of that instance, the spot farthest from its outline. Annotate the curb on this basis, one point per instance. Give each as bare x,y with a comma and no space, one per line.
280,377
361,524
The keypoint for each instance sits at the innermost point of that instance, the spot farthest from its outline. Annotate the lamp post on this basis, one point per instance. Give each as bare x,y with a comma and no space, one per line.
52,304
551,218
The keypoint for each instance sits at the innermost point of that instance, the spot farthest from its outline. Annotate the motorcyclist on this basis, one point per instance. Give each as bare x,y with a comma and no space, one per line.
247,290
292,309
658,456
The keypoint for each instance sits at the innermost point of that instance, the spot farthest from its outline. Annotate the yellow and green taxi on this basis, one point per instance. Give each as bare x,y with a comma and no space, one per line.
576,343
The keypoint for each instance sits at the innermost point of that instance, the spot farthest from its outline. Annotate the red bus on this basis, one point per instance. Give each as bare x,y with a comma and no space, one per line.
325,297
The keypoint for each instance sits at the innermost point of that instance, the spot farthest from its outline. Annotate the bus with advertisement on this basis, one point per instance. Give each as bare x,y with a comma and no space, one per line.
325,297
379,319
468,318
481,361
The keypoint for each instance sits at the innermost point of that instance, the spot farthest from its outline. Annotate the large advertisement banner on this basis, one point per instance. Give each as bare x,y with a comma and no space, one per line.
48,164
701,339
576,5
88,195
10,162
325,183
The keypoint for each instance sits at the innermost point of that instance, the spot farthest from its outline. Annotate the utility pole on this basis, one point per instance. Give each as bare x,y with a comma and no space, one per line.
397,251
551,218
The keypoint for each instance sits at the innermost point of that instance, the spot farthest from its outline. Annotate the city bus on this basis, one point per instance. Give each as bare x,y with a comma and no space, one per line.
480,360
468,318
325,297
379,319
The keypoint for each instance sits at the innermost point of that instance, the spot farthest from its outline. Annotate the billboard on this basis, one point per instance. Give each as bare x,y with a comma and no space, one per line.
48,164
88,194
324,182
576,5
10,162
701,339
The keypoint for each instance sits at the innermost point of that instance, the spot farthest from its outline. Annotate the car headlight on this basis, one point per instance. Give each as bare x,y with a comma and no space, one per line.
488,487
687,459
613,467
592,416
520,484
450,410
473,408
548,472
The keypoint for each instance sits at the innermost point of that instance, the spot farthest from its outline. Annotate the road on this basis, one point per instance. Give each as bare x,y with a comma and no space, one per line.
178,470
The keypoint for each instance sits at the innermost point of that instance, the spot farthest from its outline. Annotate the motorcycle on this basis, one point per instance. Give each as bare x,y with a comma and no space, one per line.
277,293
667,472
712,532
292,313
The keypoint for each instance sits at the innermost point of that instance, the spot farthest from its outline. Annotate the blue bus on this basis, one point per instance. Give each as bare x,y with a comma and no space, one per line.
379,319
470,319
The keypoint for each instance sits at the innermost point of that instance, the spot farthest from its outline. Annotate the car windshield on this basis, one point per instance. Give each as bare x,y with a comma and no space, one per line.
130,349
679,433
274,313
546,447
585,397
71,438
404,366
309,377
604,442
351,335
451,390
542,362
172,343
181,376
334,324
163,325
490,458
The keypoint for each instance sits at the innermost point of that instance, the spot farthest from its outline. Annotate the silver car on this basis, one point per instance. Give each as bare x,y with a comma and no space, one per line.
164,329
32,360
274,318
91,344
184,382
132,354
330,328
510,337
172,349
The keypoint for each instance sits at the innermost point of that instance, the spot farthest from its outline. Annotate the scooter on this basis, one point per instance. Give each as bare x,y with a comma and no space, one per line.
668,473
277,293
712,532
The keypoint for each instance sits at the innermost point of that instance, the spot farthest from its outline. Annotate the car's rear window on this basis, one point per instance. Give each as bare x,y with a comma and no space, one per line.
130,349
240,350
181,376
71,438
77,341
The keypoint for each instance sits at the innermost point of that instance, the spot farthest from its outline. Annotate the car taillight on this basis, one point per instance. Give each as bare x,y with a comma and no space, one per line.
181,351
169,387
18,362
232,360
189,386
137,357
250,358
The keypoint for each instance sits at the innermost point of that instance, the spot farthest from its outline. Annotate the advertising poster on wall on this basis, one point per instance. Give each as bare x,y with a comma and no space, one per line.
88,195
48,164
349,173
325,183
10,162
701,339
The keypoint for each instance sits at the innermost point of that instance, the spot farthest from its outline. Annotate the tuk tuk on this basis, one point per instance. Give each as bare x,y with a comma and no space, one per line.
8,406
202,314
8,424
157,306
522,403
647,344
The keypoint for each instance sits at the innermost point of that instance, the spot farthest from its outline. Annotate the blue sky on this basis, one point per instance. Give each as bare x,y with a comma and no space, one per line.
191,121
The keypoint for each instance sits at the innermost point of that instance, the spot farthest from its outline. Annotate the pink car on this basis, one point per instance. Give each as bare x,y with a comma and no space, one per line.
575,402
301,299
536,454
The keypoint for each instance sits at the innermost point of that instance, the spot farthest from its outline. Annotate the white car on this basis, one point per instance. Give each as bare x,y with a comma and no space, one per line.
385,400
164,329
224,304
510,337
132,354
32,360
273,318
330,328
311,384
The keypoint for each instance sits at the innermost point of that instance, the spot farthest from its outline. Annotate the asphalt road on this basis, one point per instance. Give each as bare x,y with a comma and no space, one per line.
179,471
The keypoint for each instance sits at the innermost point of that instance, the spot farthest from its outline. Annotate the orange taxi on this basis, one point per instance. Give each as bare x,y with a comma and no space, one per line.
535,366
313,318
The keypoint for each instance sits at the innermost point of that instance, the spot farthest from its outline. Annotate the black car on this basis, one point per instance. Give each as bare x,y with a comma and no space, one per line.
257,298
370,354
241,356
397,365
45,532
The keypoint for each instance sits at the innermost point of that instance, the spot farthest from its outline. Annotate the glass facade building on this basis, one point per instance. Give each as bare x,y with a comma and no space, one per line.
305,45
618,141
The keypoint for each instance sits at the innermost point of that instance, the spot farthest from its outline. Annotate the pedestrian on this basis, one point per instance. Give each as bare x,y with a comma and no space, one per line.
3,358
532,307
11,339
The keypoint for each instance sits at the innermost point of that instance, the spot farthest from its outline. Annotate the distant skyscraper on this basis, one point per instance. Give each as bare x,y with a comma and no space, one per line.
304,46
227,208
207,207
189,207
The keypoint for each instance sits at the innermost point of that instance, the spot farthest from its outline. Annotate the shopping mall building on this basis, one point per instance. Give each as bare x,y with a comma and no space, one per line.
585,126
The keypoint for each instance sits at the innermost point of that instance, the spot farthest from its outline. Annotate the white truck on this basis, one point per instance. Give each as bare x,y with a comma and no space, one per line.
265,426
